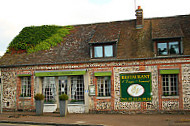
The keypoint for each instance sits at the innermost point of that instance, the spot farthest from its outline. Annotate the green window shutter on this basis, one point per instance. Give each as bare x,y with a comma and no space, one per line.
61,73
102,74
171,71
23,75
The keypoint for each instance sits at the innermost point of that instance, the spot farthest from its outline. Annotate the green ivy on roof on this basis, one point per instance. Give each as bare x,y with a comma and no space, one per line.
36,38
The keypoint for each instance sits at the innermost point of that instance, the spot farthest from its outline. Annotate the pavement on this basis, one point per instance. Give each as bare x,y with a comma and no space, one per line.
54,119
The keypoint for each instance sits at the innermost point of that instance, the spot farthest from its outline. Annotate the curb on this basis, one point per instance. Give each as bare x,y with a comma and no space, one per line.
36,123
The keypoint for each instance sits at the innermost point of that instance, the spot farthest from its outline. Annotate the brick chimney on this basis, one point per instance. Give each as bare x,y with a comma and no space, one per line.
139,18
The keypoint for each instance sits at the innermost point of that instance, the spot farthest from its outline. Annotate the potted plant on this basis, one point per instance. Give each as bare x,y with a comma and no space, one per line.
63,104
39,99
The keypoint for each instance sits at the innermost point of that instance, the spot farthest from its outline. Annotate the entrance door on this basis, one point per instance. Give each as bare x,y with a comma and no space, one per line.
73,86
63,89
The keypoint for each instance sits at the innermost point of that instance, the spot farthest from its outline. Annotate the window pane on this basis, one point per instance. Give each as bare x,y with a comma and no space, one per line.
98,51
108,51
162,49
174,48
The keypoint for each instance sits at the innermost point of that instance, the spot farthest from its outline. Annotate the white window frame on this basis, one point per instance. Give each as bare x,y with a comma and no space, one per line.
103,51
49,89
104,91
169,86
77,82
25,87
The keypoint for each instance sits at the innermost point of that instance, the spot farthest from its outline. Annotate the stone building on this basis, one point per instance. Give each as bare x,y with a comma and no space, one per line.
132,65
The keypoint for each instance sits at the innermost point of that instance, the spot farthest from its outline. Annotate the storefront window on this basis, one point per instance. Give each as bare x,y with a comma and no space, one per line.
77,88
49,89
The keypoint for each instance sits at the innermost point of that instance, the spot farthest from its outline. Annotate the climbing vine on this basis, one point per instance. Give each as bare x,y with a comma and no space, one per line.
36,38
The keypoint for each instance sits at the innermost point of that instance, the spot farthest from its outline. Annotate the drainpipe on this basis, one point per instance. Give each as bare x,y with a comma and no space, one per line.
1,84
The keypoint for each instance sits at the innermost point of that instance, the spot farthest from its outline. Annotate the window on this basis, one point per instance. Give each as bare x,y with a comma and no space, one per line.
77,88
102,51
49,89
168,47
104,86
170,84
25,87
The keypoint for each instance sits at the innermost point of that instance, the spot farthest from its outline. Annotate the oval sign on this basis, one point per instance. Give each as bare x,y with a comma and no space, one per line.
135,90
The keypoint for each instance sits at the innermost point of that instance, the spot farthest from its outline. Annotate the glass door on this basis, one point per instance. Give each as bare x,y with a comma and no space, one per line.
63,89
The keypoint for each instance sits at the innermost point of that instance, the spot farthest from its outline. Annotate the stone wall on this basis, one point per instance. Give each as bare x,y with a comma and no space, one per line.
186,86
11,88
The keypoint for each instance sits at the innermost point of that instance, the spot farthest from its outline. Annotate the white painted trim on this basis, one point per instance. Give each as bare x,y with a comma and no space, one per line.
103,97
170,97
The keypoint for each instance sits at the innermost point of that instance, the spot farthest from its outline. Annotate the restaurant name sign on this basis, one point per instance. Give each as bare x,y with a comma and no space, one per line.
135,87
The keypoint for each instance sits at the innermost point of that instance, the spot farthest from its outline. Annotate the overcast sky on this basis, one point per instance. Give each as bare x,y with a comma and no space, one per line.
17,14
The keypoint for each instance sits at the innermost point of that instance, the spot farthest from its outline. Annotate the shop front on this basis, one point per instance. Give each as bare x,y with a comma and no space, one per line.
54,83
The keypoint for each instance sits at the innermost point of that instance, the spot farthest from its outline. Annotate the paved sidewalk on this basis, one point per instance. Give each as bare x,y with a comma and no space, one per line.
97,119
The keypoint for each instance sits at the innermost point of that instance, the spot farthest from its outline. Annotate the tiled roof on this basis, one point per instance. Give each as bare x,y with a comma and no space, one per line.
107,32
168,28
131,42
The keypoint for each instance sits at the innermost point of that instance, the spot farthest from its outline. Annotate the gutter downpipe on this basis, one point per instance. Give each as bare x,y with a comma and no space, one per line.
1,84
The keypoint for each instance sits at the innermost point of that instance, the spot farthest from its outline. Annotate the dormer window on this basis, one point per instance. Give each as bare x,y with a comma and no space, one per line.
168,47
102,50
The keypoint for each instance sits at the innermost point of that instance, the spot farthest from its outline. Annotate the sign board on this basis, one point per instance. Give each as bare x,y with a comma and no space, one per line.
60,73
135,87
92,90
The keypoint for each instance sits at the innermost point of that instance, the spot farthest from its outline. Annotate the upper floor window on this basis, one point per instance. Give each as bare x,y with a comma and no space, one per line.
103,51
168,47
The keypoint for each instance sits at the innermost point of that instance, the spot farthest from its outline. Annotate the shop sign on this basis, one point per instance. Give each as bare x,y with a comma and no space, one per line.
91,90
60,73
135,87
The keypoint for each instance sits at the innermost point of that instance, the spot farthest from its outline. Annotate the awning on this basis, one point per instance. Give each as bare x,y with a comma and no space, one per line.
23,75
59,73
103,73
169,71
